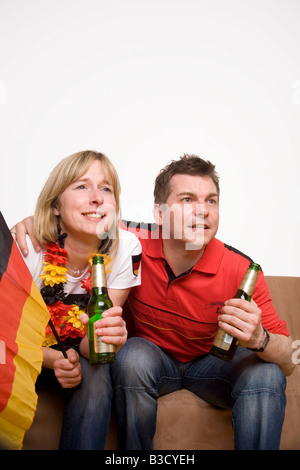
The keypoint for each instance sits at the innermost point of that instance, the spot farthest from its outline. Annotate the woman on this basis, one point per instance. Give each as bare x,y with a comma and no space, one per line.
77,215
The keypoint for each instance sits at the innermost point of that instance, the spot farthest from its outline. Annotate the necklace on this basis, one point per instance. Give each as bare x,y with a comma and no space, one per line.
77,272
64,317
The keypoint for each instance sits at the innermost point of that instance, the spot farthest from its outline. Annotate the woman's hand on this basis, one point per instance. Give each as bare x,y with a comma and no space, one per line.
68,371
111,327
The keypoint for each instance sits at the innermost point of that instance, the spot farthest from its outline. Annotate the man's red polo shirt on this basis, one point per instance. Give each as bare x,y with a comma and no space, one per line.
180,314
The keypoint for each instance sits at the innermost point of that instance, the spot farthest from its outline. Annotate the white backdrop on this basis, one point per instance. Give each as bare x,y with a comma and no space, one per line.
145,82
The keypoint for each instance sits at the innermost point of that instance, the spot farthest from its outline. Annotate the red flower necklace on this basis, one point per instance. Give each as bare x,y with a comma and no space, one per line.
64,317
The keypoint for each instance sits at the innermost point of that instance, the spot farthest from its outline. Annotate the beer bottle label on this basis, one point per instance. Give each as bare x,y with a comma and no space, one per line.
99,346
223,340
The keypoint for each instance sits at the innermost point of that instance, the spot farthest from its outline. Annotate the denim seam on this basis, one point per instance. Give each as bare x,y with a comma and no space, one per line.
255,391
145,389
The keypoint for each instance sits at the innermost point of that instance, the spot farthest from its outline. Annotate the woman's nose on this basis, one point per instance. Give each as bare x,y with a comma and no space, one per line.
96,196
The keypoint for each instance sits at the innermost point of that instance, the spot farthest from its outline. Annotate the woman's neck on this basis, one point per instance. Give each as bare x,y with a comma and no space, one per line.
78,254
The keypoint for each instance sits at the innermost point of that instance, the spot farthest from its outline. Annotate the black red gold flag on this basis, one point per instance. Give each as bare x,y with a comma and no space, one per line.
23,319
136,261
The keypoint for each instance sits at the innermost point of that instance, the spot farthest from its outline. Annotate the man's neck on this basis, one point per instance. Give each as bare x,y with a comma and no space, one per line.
180,259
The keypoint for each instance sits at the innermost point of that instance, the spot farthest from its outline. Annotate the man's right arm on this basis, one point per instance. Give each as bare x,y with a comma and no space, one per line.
19,232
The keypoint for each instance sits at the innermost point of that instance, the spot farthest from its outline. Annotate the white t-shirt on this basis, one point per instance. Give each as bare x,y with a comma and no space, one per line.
121,275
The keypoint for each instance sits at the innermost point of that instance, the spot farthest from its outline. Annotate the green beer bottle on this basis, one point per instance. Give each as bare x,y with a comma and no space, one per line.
100,353
224,345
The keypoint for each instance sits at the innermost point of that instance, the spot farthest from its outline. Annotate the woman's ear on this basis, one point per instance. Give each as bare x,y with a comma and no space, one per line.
56,210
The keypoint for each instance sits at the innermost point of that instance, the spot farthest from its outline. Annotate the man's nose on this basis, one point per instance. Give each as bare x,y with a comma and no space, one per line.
199,209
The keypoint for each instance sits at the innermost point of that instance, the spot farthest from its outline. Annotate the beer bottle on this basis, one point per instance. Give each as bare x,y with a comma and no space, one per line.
225,345
100,353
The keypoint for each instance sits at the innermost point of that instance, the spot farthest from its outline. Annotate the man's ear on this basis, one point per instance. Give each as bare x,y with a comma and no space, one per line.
157,213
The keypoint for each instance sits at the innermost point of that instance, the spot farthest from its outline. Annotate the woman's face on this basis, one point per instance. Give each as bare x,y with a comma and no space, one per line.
87,207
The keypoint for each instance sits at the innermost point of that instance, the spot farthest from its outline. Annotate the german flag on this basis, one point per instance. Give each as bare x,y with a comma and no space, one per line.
136,261
23,319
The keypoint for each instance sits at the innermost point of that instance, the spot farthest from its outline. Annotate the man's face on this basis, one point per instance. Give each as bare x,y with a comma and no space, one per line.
191,212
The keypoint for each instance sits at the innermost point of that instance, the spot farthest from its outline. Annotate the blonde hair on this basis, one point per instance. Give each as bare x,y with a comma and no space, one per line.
69,170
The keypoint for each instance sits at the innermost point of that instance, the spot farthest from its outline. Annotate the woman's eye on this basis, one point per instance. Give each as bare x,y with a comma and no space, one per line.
107,189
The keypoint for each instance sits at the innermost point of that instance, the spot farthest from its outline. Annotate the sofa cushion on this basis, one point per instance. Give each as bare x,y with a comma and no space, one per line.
185,422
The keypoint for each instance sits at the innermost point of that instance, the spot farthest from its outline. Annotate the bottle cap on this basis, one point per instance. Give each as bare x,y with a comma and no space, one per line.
256,267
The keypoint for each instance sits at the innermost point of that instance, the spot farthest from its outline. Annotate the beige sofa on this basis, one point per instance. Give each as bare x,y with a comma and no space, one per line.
184,421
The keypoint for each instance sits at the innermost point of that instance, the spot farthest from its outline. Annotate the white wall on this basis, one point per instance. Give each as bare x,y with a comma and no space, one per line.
145,82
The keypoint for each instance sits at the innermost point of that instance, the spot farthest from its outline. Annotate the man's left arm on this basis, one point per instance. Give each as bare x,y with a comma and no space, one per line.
279,350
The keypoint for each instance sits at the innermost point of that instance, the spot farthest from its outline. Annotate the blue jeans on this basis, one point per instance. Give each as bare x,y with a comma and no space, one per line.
87,409
252,388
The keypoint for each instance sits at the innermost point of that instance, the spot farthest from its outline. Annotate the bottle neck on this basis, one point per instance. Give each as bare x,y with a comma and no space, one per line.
98,276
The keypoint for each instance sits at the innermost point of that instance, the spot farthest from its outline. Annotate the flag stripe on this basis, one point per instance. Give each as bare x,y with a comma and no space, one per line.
6,241
10,327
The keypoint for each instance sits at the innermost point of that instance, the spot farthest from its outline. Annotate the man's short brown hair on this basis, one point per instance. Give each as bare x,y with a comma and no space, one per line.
186,165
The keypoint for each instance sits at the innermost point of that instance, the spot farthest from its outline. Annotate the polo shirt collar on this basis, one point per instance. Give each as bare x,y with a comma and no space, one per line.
155,250
209,261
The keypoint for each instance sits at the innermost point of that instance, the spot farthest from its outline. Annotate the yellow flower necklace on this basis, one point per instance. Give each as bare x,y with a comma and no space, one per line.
64,317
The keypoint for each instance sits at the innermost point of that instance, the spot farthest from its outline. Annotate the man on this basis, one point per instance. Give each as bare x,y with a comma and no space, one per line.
189,279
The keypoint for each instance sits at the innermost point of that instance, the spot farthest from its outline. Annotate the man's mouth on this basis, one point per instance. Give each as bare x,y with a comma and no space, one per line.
198,227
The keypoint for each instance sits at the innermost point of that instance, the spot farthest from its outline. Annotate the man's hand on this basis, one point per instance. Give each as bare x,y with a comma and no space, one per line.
19,232
111,327
68,371
242,319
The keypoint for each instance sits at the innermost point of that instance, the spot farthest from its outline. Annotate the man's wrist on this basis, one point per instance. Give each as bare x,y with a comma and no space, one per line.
263,343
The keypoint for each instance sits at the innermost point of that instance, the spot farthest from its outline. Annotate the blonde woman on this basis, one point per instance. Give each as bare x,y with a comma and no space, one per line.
77,214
